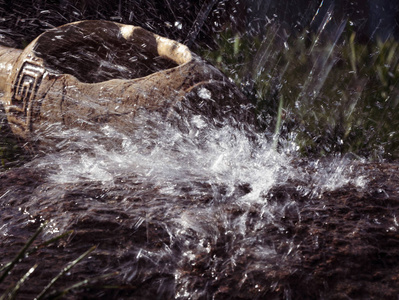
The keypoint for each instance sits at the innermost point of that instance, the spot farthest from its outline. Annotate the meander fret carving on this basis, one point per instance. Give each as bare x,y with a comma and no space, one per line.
25,88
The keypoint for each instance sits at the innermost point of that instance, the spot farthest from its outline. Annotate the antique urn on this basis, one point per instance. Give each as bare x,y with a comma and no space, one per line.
89,73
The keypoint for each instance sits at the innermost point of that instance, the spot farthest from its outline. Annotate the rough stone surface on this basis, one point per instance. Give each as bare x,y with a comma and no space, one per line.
346,242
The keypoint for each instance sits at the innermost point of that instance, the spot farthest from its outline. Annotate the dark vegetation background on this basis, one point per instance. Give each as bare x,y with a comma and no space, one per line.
22,20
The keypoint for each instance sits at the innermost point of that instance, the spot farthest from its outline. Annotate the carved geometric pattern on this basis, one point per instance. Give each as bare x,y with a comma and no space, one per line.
24,91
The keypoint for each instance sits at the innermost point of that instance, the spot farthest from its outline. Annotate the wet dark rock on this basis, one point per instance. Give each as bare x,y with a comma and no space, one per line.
343,244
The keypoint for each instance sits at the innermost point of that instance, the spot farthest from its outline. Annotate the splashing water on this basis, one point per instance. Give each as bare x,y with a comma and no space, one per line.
175,159
199,202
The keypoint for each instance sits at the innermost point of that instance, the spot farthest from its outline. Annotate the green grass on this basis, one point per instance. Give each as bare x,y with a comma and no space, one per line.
337,97
47,292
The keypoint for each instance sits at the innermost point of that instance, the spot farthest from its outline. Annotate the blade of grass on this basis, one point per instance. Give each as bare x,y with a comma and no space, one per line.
278,123
352,56
44,244
65,270
21,253
12,294
50,241
86,282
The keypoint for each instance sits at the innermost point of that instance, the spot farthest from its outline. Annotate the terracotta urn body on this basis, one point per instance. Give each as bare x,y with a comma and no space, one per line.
94,72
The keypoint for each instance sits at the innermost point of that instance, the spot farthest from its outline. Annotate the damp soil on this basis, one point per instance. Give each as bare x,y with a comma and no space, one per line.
342,244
